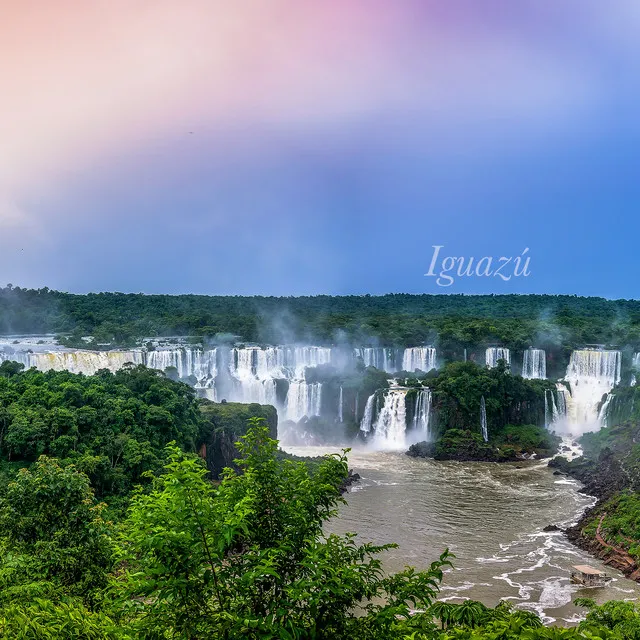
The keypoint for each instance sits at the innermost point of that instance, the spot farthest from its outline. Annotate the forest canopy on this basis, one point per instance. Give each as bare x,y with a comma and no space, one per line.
455,321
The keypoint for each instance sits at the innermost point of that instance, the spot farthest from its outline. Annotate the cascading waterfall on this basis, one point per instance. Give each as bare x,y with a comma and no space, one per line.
555,415
303,400
547,420
340,399
635,364
591,374
390,427
562,400
551,411
421,358
422,415
86,362
483,420
534,364
604,410
367,418
494,354
379,357
198,363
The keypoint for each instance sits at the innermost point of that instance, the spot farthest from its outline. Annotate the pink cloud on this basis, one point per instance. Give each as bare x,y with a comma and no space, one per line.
81,79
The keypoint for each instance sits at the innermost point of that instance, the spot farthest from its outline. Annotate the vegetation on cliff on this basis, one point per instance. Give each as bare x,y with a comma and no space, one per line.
508,444
610,470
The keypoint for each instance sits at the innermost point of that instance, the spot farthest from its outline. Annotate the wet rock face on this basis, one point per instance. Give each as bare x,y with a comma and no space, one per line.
227,423
601,478
607,478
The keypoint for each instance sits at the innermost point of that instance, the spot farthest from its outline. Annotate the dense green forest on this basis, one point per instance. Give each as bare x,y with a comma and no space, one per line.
113,525
246,558
455,322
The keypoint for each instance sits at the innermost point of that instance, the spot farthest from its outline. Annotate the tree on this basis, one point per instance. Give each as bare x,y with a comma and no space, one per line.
249,559
50,521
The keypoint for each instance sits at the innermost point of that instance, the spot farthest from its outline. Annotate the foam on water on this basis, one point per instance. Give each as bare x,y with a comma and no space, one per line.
491,516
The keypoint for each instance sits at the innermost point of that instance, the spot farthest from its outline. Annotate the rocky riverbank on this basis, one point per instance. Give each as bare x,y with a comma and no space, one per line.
604,478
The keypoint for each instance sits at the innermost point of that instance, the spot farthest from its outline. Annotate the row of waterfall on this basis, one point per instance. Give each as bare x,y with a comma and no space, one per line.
388,424
278,376
394,360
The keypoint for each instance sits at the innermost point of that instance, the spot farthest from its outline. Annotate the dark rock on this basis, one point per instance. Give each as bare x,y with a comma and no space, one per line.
351,479
552,527
421,450
558,473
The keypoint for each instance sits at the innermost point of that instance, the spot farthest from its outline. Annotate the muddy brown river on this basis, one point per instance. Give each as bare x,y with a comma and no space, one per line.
489,515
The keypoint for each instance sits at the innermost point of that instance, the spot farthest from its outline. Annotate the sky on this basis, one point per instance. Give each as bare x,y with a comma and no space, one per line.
293,147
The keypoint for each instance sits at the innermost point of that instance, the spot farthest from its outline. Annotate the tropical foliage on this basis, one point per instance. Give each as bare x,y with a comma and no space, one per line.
246,558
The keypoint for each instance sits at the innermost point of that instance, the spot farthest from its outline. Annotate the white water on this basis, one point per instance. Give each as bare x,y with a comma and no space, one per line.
340,402
421,358
394,360
379,357
391,424
490,515
591,373
367,418
494,354
303,400
635,363
483,420
534,364
422,416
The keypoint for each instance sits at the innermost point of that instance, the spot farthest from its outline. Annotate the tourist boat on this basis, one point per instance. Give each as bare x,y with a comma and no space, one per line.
588,576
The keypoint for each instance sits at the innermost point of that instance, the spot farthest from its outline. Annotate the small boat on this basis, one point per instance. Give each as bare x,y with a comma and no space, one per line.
588,576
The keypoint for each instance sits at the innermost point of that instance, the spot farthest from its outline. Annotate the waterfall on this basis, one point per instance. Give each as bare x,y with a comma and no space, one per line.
340,407
197,363
255,370
494,354
635,364
534,364
547,421
483,420
390,427
86,362
303,400
591,373
551,412
555,415
562,400
422,415
378,357
367,418
604,410
421,358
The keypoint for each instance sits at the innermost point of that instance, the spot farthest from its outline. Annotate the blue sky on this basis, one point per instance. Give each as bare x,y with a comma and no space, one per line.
335,167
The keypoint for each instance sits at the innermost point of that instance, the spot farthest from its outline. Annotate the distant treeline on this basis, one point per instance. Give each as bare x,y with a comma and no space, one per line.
454,322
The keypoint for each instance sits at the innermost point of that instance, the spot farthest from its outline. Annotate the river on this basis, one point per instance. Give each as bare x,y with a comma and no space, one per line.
489,515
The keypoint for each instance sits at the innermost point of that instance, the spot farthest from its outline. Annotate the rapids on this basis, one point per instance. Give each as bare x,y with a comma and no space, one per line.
491,516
